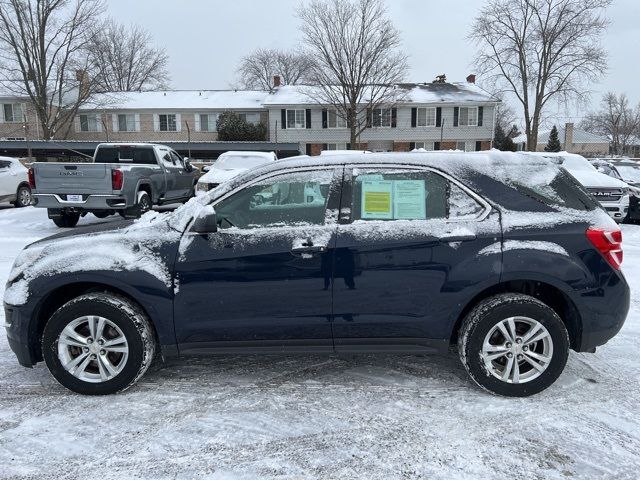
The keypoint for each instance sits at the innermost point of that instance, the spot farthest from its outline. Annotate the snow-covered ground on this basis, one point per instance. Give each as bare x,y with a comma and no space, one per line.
318,417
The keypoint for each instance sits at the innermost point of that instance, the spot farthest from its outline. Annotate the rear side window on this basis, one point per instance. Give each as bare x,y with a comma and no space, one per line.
563,190
126,154
392,194
5,164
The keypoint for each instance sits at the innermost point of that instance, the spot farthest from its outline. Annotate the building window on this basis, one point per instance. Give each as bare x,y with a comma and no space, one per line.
208,122
252,118
462,146
12,112
426,117
89,123
127,122
336,146
381,117
295,119
167,122
334,120
468,117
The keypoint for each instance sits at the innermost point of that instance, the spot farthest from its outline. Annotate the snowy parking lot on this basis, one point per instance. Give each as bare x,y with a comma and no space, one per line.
321,417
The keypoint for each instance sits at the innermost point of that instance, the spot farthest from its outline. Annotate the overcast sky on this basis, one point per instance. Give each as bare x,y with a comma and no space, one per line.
205,39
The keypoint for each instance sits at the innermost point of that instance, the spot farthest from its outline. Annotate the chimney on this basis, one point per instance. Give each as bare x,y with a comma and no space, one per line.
276,81
471,78
568,137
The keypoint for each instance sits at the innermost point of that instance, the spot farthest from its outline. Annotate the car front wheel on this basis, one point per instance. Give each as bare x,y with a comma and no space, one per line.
98,344
513,345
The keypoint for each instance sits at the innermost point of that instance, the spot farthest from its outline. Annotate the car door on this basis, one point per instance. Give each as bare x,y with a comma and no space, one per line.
409,252
262,280
185,176
8,184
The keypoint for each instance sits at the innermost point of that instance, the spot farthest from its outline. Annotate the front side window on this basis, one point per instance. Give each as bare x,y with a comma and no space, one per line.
5,164
296,119
288,200
12,112
390,194
334,120
167,122
426,117
126,122
468,117
381,117
208,122
88,123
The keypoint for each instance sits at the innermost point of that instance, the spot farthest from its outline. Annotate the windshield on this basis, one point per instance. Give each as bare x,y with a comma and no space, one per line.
608,170
575,162
232,162
629,172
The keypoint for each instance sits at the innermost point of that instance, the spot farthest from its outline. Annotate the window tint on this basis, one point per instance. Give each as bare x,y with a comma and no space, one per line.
285,200
126,154
5,164
386,194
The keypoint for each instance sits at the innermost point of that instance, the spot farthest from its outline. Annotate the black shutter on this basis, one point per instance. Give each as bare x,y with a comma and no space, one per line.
308,115
324,146
478,144
436,145
283,118
414,117
325,123
348,146
456,113
394,117
439,117
308,149
369,117
480,114
412,145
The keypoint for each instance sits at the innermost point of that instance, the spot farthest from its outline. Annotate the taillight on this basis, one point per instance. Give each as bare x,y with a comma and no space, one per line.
609,243
117,178
32,178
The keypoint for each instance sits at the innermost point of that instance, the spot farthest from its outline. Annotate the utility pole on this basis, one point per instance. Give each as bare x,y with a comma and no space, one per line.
26,135
188,138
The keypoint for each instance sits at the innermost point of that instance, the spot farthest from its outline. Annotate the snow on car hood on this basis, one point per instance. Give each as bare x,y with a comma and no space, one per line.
594,178
218,175
132,248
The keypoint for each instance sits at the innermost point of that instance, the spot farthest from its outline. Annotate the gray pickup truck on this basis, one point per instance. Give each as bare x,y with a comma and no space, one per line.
122,178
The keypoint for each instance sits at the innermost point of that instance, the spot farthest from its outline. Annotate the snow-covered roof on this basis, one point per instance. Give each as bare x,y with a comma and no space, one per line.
418,93
579,136
179,100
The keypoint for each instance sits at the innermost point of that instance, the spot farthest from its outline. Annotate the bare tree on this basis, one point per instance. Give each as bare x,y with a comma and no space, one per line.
256,70
43,56
616,119
354,46
541,50
123,59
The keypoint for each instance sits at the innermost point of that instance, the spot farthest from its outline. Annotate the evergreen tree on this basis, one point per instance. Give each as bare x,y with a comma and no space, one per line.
233,128
553,145
499,137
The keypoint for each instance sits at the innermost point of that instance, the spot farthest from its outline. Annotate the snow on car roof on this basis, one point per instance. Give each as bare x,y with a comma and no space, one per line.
232,153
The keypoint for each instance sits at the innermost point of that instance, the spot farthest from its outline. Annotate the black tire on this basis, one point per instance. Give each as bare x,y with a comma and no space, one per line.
144,203
102,213
67,220
23,196
128,317
485,316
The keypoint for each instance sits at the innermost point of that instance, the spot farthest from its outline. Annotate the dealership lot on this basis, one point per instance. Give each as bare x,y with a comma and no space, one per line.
347,417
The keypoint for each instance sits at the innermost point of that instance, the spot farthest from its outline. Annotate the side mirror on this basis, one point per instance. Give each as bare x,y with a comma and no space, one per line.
206,221
187,165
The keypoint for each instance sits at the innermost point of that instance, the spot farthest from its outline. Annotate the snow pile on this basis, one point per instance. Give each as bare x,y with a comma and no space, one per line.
550,247
128,249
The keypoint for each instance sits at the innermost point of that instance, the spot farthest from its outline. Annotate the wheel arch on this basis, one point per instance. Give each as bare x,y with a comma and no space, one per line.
145,185
546,292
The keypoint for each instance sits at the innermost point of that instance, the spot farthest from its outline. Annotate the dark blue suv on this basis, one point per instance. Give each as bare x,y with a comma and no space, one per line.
504,255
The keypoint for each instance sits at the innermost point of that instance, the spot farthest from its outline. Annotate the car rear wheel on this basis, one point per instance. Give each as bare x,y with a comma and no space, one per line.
23,196
98,344
67,219
513,345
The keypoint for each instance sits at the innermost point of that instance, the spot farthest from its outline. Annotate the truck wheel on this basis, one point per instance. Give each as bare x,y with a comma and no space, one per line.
23,196
98,344
513,345
67,220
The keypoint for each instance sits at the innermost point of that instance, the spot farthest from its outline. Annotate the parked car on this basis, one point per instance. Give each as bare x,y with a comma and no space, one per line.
400,252
629,172
14,182
611,193
230,164
124,178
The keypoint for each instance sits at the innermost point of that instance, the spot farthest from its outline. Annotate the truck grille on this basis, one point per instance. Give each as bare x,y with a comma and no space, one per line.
606,194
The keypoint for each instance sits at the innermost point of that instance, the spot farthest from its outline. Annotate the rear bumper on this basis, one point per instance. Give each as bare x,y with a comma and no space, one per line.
90,202
17,328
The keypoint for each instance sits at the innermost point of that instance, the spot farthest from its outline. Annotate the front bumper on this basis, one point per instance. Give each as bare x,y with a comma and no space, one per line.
17,328
89,202
617,210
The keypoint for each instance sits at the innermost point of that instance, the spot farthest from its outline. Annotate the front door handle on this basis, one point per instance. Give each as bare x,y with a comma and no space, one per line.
457,238
308,247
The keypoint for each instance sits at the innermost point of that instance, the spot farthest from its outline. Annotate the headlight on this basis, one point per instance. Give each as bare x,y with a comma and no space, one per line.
202,187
